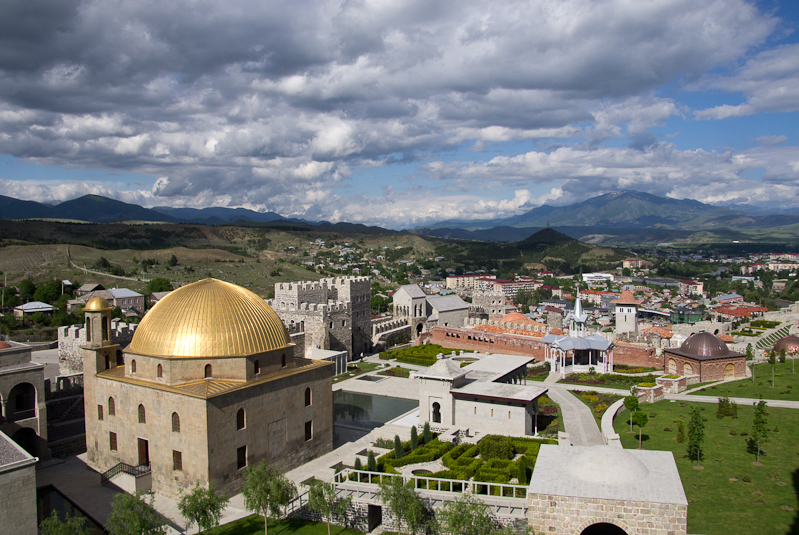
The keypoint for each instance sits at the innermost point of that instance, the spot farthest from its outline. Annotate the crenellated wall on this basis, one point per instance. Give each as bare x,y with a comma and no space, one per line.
73,337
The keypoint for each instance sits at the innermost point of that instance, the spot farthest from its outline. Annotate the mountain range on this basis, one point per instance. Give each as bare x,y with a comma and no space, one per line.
625,216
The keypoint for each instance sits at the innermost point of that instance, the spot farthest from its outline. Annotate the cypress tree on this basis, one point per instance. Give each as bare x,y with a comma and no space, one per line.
427,436
414,438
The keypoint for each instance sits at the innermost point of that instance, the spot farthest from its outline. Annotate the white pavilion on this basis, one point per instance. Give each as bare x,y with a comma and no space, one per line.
578,352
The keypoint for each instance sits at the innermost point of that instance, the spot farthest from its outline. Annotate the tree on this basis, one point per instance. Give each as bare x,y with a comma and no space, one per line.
427,436
371,464
397,447
759,432
696,435
266,490
158,284
640,418
467,515
173,261
750,352
782,355
631,403
414,438
132,515
680,432
403,502
625,272
323,500
203,507
71,525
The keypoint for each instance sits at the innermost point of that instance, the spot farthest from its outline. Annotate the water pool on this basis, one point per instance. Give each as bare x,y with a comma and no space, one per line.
367,410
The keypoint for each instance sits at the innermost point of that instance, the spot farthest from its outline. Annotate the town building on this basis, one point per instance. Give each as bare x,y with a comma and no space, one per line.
466,282
34,307
632,263
706,355
691,287
492,304
131,303
208,386
423,312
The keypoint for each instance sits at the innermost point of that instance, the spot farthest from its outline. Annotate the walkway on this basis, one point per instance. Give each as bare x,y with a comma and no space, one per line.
577,417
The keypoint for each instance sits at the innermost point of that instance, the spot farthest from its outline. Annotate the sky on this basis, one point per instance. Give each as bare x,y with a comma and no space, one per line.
399,113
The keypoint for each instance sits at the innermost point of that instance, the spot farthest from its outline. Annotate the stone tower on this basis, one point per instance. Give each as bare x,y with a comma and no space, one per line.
626,313
99,354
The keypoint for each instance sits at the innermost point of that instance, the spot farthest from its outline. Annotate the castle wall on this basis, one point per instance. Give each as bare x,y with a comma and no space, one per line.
636,355
484,342
73,337
492,303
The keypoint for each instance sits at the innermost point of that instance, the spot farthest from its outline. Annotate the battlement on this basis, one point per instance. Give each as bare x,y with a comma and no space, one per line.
301,286
72,338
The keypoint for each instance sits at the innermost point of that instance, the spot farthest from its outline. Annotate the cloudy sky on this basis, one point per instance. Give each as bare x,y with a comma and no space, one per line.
399,113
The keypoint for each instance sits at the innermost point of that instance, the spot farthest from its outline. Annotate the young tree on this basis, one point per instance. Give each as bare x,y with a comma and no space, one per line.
750,352
397,447
631,404
696,435
759,432
71,525
640,418
427,436
680,432
173,261
467,515
203,507
403,502
782,355
371,463
358,465
414,438
323,500
266,490
132,515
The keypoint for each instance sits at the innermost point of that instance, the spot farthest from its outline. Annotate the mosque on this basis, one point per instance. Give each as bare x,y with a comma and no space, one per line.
209,385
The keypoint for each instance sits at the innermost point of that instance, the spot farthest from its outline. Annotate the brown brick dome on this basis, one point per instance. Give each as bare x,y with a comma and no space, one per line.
789,343
704,344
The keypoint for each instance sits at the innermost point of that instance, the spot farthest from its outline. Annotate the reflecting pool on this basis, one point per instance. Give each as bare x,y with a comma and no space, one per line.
367,410
49,499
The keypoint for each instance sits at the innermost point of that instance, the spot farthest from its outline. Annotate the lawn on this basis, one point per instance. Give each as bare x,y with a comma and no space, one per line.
730,495
396,371
356,369
254,525
786,384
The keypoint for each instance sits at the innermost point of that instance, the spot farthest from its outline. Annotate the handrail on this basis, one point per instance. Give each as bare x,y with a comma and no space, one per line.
437,484
135,471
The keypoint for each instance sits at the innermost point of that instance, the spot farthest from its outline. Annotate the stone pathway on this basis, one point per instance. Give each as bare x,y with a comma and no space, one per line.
577,418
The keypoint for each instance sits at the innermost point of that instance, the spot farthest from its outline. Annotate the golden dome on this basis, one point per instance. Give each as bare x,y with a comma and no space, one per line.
209,318
96,304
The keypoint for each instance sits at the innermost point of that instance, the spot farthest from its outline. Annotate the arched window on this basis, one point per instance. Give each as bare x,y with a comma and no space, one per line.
256,367
208,371
283,360
133,366
88,329
105,323
175,423
142,415
159,371
240,419
112,408
307,397
437,413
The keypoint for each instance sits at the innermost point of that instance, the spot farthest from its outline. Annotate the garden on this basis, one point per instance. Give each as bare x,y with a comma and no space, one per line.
729,492
424,355
608,380
598,402
785,384
494,459
355,369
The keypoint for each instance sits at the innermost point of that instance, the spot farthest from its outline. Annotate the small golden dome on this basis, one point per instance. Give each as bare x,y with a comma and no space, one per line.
209,318
96,304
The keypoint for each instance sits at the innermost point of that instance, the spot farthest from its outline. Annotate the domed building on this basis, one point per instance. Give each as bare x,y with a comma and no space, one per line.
208,386
707,356
789,343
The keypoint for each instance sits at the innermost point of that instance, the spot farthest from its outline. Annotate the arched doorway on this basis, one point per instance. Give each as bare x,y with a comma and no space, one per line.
27,439
436,413
22,402
729,371
672,366
603,528
419,328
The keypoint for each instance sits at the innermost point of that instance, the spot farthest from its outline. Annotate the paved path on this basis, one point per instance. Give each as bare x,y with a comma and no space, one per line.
577,417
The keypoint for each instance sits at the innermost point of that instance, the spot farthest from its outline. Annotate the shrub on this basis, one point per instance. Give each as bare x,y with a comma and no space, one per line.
496,447
647,385
746,478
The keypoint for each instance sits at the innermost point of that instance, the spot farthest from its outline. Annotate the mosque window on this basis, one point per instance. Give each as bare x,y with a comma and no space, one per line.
241,457
142,415
159,372
209,372
257,367
112,410
175,423
88,329
112,441
177,460
133,366
99,412
240,419
308,430
307,397
283,360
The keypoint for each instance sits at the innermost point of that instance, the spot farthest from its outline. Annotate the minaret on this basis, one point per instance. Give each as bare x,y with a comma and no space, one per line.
99,355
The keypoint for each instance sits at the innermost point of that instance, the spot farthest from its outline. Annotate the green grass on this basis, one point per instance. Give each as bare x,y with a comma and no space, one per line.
607,380
720,502
396,371
254,525
786,384
355,370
